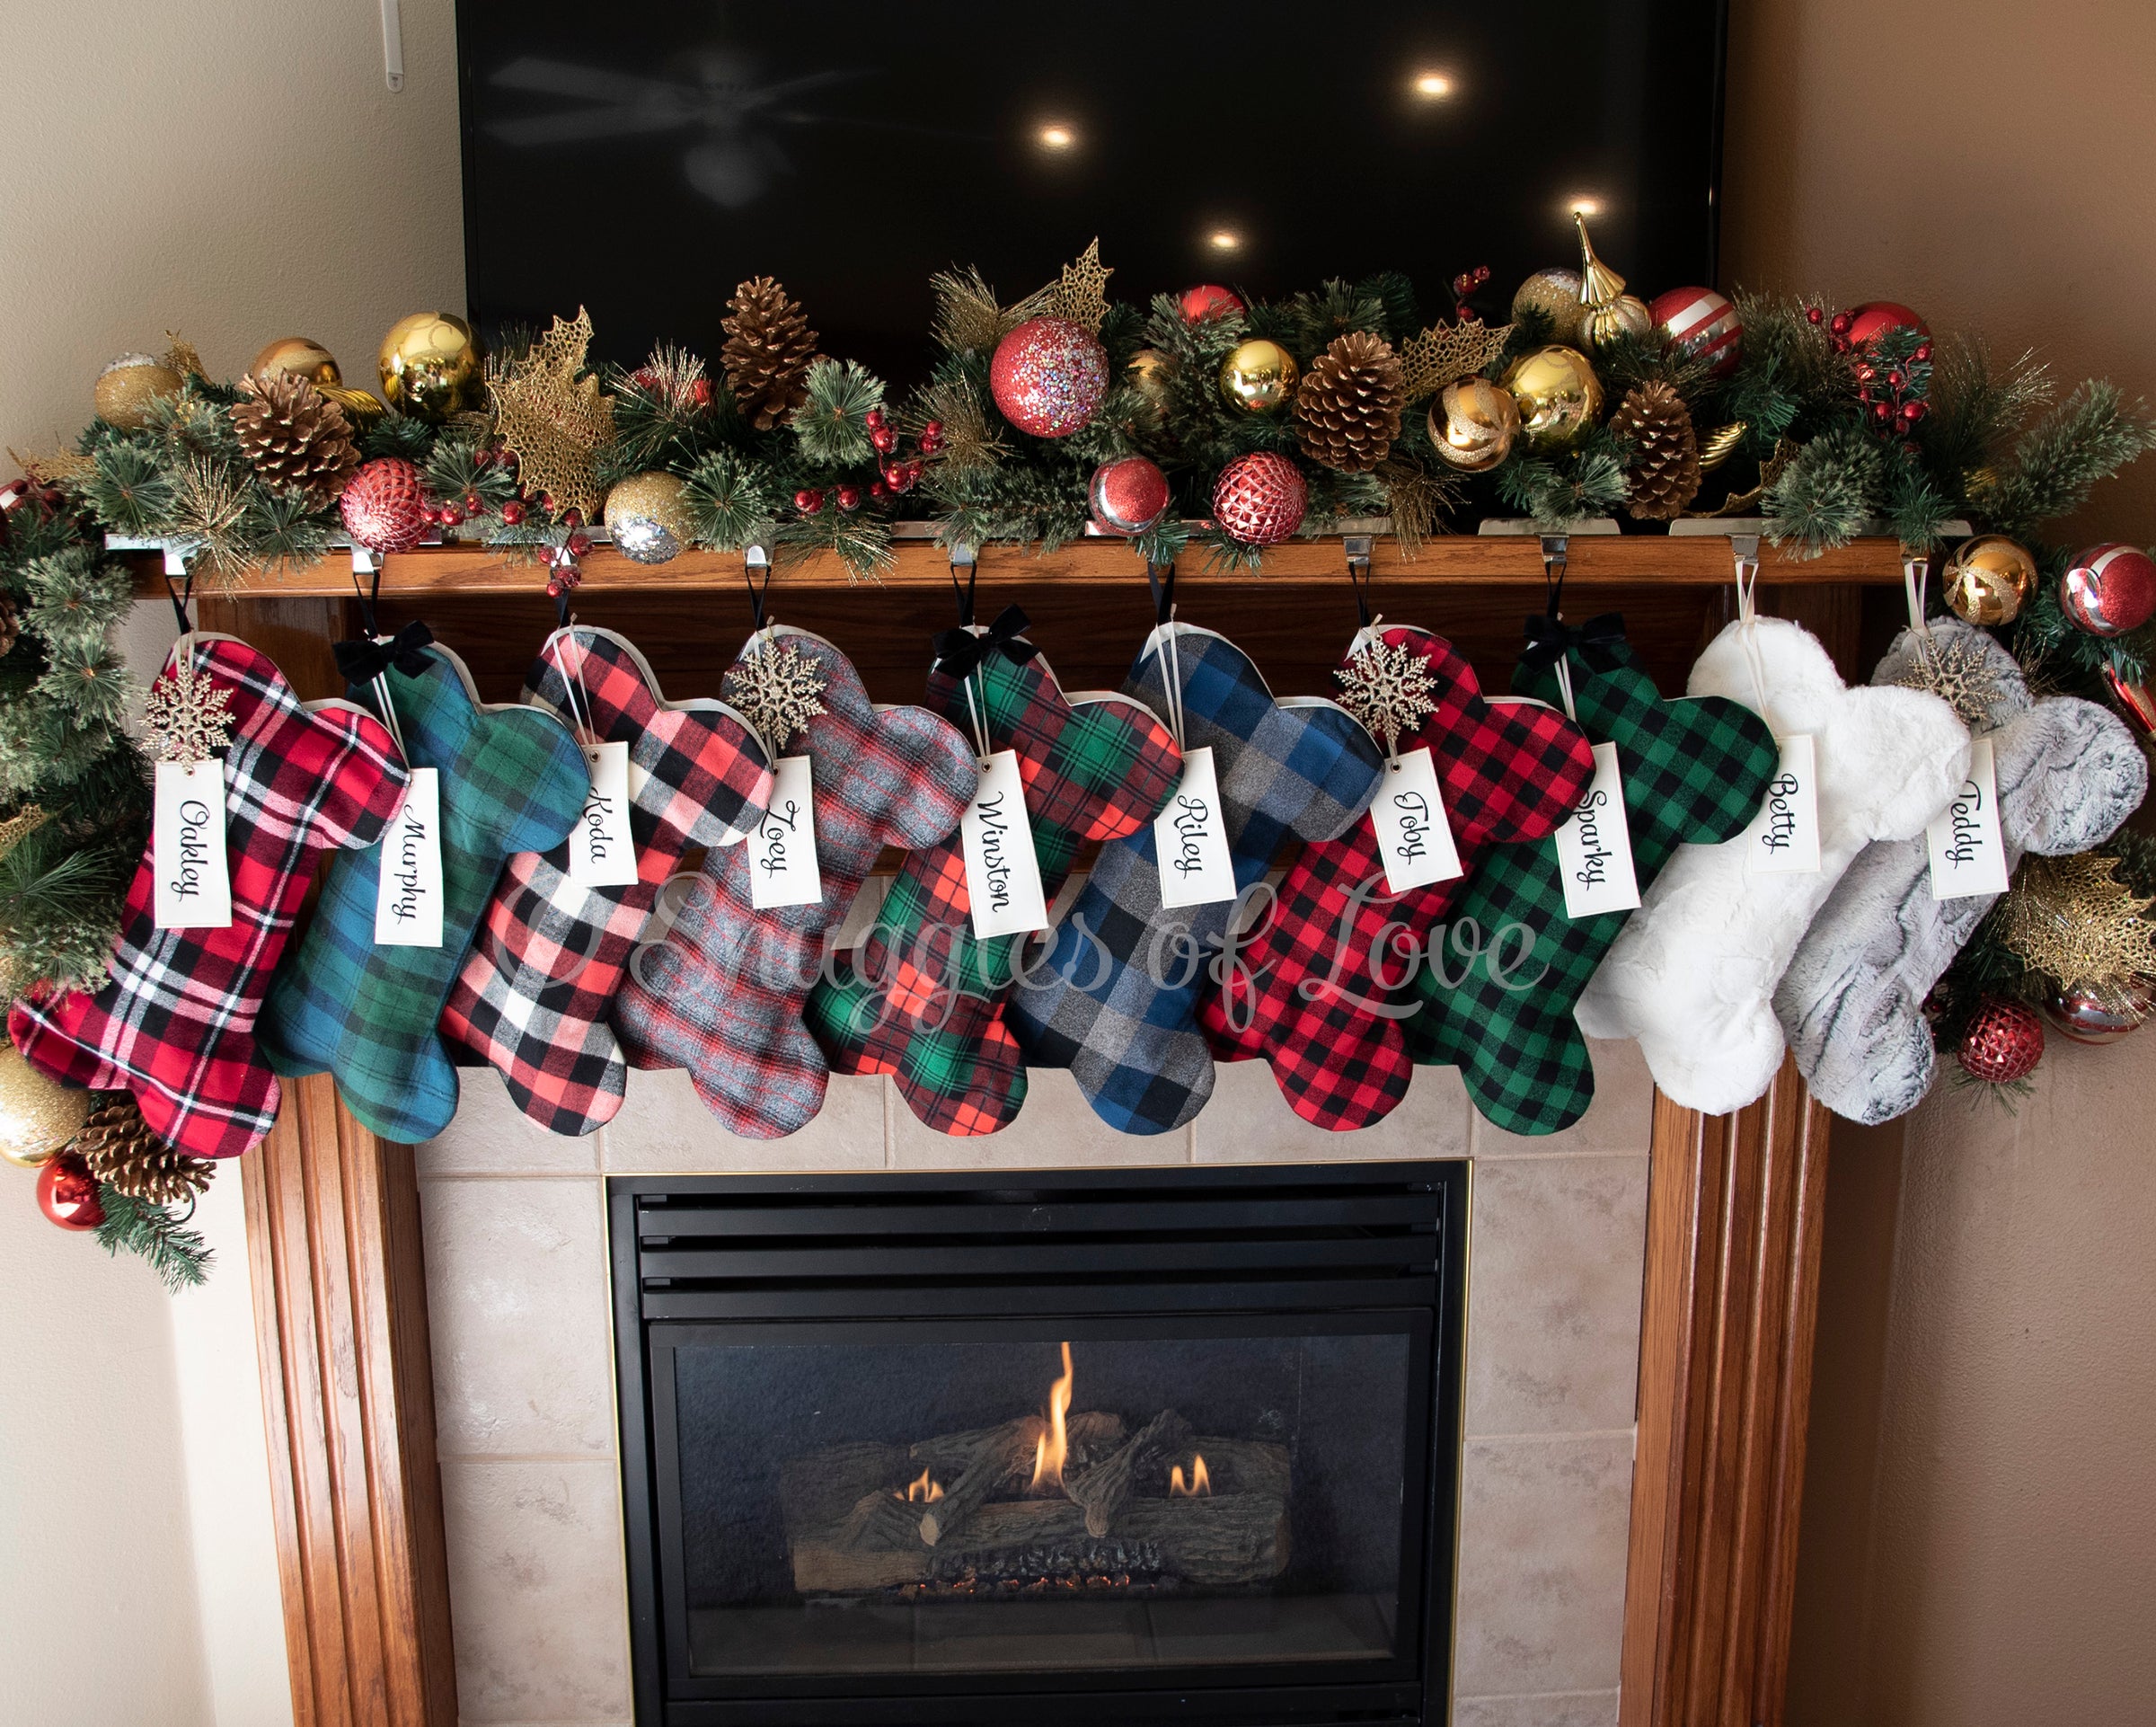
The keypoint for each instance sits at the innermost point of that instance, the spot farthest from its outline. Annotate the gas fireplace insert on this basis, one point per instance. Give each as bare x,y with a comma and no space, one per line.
1128,1447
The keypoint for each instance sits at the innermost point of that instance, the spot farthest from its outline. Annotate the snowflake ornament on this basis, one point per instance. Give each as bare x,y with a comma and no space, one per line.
776,687
185,716
1390,690
1962,672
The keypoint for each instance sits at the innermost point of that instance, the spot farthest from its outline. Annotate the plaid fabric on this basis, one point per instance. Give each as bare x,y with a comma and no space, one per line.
1116,1001
1310,994
923,1001
722,993
533,996
1694,772
511,779
175,1022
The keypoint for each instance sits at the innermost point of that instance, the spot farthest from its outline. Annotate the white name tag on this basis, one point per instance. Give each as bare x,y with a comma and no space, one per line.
1968,854
1595,846
601,854
194,885
1003,875
1783,838
782,852
1191,838
408,903
1414,837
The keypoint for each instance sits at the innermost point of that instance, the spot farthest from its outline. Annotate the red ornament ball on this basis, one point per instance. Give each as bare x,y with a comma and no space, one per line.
384,506
67,1193
1207,300
1259,498
1128,495
2109,590
1048,376
1699,323
2004,1044
1868,323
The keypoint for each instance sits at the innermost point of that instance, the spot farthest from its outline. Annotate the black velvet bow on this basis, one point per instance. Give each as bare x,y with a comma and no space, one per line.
1596,641
959,652
362,661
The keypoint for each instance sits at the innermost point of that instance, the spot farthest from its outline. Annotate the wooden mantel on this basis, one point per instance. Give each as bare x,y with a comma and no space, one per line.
1733,1206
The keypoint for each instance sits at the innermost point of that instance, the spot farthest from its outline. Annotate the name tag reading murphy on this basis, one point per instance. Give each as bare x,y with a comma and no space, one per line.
408,901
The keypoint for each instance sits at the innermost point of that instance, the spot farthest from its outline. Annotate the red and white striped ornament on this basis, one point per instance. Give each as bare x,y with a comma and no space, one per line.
1260,499
2110,589
1701,322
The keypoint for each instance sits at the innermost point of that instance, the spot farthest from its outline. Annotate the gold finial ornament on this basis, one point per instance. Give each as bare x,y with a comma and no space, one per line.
1607,311
429,366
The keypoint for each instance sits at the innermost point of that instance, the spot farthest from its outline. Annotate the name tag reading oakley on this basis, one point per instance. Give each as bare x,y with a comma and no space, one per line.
408,901
1968,853
1595,846
1783,838
782,870
194,883
1002,873
1190,839
601,854
1414,837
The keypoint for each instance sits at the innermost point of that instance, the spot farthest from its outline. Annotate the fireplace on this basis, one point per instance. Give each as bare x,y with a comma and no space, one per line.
1147,1446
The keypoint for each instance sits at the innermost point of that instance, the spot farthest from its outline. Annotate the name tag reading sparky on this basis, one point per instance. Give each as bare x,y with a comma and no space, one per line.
1414,837
1190,839
408,903
1595,846
782,870
1783,838
1968,853
1002,873
601,854
194,883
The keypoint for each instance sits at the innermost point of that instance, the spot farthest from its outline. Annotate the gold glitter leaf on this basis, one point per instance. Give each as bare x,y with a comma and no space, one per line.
1447,352
550,411
2072,919
1080,294
55,469
19,826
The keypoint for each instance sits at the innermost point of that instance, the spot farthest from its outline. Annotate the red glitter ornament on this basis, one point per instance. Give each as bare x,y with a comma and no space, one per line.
384,506
1699,323
2109,590
1128,495
1259,498
67,1193
1048,375
1207,300
2004,1044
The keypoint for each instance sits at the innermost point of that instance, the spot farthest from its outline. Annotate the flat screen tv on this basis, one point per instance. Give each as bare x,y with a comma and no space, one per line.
640,157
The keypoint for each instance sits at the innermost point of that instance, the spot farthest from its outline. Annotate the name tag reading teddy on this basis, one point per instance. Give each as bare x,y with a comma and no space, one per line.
1003,873
1414,835
194,883
1968,854
408,902
1595,846
1191,838
601,854
1783,838
782,870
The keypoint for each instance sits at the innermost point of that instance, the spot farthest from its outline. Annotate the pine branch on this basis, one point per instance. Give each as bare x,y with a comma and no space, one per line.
831,426
1559,495
397,434
862,541
2087,438
1976,407
281,528
128,490
181,1259
75,596
733,501
1829,494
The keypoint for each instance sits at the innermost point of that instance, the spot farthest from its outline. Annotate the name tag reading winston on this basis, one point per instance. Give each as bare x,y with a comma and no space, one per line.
1003,873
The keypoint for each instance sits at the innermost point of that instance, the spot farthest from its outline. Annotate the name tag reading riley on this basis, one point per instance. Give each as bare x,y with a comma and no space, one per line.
601,854
187,840
1783,838
1190,839
408,902
1595,846
1968,853
782,870
1414,837
1003,873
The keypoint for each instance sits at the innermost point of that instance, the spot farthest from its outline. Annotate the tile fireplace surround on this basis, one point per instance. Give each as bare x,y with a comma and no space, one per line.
517,1301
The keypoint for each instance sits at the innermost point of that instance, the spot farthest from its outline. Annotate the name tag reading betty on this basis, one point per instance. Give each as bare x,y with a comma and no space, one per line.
782,870
1190,839
1595,846
601,854
408,903
1003,873
1414,837
1968,853
194,883
1783,838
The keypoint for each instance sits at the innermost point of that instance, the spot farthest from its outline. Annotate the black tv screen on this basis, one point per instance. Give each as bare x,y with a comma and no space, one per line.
640,157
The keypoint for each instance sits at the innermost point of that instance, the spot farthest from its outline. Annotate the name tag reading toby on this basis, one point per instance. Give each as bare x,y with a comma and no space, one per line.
782,870
194,883
1414,837
1968,853
1783,838
408,902
601,854
1595,846
1003,873
1191,838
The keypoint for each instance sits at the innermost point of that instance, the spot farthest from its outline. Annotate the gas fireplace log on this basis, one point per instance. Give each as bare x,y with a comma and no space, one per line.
881,1520
1141,1463
1003,1460
822,1487
1090,1433
1243,1466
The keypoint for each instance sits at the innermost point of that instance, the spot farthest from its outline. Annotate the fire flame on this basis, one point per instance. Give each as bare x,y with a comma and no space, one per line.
923,1491
1199,1486
1054,1446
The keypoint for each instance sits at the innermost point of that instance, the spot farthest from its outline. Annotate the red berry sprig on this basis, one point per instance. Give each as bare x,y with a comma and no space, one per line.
1464,284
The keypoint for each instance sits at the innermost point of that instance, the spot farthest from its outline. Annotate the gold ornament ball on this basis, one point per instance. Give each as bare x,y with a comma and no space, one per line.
38,1115
296,357
1149,368
429,366
648,515
1555,294
1990,580
1626,315
128,387
1472,423
1259,377
1558,395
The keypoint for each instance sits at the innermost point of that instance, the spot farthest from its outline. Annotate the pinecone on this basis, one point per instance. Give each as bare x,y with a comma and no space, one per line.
1664,471
767,350
122,1152
296,438
10,627
1348,410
